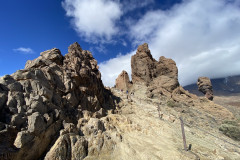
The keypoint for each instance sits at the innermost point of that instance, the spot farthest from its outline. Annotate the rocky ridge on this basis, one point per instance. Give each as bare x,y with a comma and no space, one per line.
58,108
52,96
159,79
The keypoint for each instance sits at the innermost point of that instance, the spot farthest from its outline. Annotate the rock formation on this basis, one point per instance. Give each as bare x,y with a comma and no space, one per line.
123,82
205,86
58,109
143,65
161,77
51,93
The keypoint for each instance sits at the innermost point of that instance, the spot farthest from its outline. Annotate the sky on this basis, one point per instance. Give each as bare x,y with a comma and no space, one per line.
202,37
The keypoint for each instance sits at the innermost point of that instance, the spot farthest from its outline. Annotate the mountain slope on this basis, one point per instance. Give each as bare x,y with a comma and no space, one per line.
58,109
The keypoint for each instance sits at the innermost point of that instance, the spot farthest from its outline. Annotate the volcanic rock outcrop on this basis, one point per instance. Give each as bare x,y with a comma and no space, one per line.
52,93
58,109
205,86
161,77
123,82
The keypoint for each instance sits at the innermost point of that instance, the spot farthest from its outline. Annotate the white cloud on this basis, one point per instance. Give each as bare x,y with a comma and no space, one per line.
130,5
202,37
24,50
94,20
113,67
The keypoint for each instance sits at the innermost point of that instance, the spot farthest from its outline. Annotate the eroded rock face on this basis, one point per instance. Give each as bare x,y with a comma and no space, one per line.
143,65
161,77
123,82
205,86
50,90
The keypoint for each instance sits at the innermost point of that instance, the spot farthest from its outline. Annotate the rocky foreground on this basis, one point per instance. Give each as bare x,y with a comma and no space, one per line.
57,108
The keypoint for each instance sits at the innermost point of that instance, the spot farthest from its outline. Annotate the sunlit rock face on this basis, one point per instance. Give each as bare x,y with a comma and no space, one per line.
161,77
52,90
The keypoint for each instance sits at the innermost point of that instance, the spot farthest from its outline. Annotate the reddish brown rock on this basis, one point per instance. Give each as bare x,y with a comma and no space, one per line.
161,77
123,82
205,86
165,74
142,64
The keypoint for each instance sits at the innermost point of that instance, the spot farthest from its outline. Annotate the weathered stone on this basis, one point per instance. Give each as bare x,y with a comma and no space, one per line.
142,64
93,126
53,55
15,99
205,86
50,89
6,80
38,106
48,118
123,82
3,99
68,146
161,77
36,123
50,56
18,120
23,138
68,128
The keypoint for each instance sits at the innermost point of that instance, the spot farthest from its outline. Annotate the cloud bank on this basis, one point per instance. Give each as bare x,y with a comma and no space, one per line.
94,20
24,50
203,38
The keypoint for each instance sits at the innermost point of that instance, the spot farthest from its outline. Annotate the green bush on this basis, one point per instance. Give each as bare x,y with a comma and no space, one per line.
231,129
171,103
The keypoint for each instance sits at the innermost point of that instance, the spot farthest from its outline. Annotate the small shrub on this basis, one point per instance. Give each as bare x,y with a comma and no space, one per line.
231,129
171,103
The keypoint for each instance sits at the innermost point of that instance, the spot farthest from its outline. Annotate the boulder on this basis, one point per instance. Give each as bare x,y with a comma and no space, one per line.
93,126
18,120
36,123
205,86
47,57
23,138
68,146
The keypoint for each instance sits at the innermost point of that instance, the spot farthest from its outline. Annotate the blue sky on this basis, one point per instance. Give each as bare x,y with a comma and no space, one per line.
203,37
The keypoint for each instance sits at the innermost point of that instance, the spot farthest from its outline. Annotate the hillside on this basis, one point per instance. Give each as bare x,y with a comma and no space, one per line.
57,108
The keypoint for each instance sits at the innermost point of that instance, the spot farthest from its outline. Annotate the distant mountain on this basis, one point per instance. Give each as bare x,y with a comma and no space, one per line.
221,86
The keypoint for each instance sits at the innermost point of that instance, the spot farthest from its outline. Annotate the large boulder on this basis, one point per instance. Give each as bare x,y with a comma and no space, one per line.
123,82
36,123
205,86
